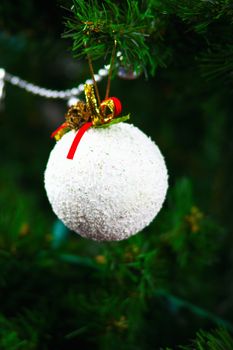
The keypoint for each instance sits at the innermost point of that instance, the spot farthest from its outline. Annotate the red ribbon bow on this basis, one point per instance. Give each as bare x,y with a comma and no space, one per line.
116,110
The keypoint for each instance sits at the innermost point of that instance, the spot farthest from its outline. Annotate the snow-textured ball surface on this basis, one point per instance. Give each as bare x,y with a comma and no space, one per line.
112,188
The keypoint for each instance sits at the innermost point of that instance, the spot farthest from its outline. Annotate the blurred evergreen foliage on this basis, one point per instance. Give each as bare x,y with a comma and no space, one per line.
173,280
217,340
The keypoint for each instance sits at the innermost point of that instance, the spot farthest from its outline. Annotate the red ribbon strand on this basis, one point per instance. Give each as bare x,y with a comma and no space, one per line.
64,125
117,105
77,139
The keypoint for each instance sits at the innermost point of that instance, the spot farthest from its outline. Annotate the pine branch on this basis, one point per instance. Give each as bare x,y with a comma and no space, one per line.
217,63
219,339
95,26
178,303
143,30
198,14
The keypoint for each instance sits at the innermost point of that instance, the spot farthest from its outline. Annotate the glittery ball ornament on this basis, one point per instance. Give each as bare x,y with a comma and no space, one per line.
113,187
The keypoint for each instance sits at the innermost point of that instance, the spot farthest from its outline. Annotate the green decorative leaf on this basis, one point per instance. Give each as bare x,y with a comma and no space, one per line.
114,121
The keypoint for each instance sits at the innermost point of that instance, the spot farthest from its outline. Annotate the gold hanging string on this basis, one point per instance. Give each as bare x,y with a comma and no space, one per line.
93,78
110,69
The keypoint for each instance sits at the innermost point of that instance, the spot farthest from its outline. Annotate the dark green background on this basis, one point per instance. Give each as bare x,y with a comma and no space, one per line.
162,285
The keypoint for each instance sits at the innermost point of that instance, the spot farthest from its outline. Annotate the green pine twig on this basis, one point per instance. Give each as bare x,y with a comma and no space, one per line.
95,27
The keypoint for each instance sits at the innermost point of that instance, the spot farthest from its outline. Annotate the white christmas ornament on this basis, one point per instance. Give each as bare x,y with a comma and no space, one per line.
113,187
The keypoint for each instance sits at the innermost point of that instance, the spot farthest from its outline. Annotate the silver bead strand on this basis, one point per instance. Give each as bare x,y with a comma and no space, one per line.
69,94
2,78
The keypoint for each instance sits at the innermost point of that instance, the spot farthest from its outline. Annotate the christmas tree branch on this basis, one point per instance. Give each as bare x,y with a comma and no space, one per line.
178,303
218,339
145,31
95,26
